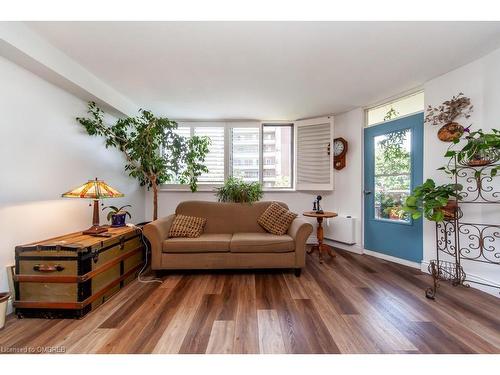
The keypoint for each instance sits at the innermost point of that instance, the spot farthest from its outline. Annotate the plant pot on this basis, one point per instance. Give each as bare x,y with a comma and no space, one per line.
118,220
450,211
450,132
394,213
484,157
478,162
4,299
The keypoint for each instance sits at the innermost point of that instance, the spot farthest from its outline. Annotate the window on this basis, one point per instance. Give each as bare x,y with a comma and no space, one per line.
277,155
247,150
245,153
215,158
397,108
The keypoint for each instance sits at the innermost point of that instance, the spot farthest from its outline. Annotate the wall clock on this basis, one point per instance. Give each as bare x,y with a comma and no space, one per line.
339,152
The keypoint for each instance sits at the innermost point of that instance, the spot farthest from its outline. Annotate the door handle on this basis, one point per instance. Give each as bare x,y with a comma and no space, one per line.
367,192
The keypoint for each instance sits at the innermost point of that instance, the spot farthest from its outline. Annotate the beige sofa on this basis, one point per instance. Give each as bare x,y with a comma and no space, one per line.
232,238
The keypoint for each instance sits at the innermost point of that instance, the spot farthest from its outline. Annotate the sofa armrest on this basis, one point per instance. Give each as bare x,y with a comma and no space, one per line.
157,232
300,230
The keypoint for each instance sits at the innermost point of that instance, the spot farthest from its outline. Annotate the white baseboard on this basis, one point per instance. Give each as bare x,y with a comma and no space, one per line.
471,277
390,258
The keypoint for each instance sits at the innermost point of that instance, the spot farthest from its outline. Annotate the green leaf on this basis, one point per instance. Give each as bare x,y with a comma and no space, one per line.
411,201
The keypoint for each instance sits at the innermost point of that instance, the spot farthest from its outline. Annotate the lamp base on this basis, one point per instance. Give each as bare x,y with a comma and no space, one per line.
95,229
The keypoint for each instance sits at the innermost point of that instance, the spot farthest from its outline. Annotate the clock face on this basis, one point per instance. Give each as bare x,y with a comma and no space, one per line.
338,148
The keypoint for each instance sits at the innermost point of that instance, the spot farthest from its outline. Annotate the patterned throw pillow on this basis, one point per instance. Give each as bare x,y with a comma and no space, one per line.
276,219
187,226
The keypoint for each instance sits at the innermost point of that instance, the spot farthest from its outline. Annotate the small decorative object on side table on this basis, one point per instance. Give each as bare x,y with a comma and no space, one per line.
117,216
320,247
95,190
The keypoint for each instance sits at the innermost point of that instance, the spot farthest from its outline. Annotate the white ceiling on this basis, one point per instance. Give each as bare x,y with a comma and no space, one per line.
267,70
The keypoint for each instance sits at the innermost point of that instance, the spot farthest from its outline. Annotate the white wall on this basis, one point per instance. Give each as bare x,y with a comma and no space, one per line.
348,196
45,152
479,80
26,48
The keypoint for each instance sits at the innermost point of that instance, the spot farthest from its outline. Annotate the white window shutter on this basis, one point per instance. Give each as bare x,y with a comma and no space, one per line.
314,162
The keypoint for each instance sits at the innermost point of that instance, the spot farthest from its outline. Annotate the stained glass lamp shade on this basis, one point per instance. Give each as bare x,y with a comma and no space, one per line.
95,190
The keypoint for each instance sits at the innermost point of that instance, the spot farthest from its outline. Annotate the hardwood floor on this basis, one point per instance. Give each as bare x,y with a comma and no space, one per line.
349,304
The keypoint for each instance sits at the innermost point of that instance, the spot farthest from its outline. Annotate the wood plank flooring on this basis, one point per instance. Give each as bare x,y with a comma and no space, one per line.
350,304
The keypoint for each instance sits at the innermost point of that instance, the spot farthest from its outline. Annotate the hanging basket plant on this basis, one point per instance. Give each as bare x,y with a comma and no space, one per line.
447,114
481,149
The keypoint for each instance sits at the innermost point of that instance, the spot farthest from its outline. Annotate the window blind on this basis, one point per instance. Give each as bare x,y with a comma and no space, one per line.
215,158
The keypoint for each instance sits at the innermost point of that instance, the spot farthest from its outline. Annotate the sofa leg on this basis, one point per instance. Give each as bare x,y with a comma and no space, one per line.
298,271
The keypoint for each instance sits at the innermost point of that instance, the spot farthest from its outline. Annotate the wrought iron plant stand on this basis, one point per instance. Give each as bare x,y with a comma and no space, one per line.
459,241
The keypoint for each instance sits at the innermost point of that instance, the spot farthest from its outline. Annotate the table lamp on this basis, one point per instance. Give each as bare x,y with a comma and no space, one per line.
94,189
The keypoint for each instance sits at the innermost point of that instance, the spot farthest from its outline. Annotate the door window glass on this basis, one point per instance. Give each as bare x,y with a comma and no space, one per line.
392,177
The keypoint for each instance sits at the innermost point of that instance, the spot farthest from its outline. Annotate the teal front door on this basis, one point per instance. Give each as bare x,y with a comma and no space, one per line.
393,154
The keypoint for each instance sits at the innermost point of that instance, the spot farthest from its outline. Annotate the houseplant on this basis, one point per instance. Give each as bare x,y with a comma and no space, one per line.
447,114
239,191
154,152
117,215
389,206
435,203
481,149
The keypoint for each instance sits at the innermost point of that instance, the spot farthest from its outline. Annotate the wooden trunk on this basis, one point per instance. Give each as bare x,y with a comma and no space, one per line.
68,276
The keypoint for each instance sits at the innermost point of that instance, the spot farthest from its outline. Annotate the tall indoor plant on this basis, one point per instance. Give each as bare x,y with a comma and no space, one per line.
154,152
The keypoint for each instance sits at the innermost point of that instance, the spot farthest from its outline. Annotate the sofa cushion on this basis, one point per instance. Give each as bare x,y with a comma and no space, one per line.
187,226
261,243
206,243
276,219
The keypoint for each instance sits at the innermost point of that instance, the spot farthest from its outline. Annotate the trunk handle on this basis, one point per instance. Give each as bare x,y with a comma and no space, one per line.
48,268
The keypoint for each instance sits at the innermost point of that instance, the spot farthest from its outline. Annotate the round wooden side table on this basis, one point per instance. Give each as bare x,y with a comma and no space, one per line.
320,247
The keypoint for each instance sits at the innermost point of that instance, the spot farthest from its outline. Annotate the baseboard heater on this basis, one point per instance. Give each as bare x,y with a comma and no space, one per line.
340,229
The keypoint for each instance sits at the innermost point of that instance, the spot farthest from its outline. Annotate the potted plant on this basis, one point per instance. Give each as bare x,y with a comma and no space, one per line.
435,203
117,215
446,115
239,191
154,152
481,149
395,212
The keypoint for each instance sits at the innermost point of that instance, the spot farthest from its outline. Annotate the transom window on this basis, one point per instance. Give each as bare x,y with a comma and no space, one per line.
392,110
